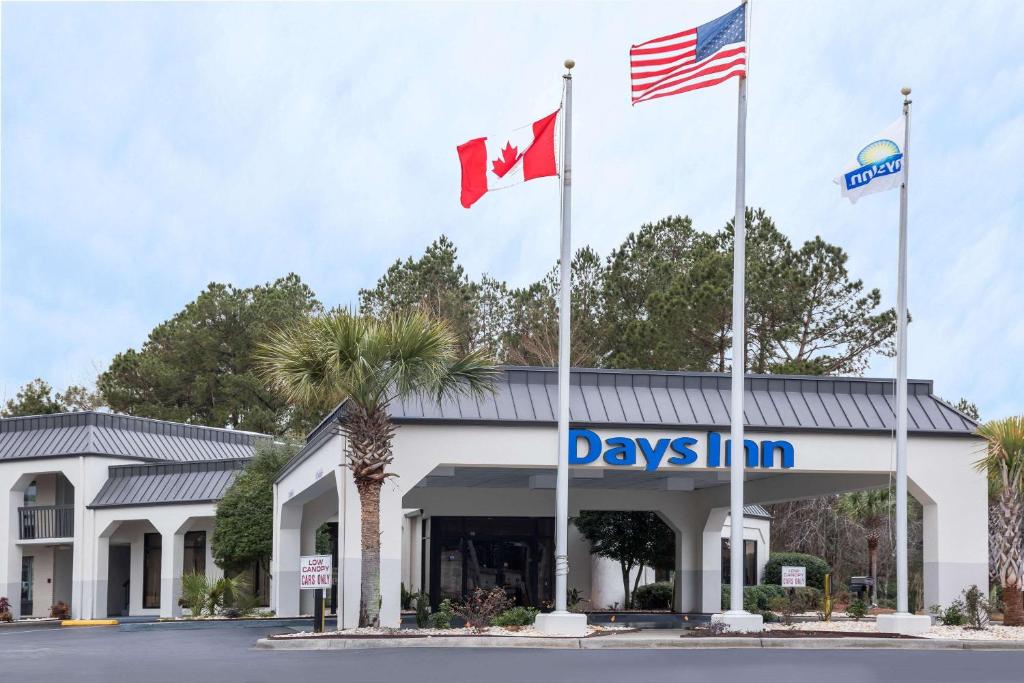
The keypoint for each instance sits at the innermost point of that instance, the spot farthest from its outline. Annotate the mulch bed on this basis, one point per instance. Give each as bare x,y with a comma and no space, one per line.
699,633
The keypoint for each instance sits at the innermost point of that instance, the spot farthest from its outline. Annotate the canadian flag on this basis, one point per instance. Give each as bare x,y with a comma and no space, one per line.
494,163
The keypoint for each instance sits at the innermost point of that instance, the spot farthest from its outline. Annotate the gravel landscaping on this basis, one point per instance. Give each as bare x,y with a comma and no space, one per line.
993,632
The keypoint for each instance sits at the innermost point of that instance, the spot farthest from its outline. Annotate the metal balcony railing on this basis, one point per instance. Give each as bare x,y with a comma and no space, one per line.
46,521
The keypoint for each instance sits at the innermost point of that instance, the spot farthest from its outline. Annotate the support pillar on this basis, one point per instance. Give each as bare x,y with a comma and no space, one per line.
285,560
711,560
172,556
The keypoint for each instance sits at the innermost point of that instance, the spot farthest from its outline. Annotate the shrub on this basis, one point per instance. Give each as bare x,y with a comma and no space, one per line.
756,599
60,610
857,609
442,618
816,568
5,610
976,608
971,610
194,589
515,616
481,606
785,606
407,598
807,599
653,596
422,610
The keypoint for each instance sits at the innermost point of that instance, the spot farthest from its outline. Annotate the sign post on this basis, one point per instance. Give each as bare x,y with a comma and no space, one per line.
315,573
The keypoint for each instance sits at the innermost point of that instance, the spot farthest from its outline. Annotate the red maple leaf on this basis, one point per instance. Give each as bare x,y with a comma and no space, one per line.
509,157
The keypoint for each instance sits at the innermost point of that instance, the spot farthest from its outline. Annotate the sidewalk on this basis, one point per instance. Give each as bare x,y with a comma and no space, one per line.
635,640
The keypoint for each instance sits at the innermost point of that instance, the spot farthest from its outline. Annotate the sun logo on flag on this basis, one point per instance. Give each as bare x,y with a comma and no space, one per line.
509,156
876,152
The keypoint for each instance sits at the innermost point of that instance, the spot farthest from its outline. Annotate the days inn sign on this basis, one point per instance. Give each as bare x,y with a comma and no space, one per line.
586,447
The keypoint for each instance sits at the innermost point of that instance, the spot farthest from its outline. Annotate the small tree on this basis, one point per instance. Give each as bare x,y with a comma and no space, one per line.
634,539
244,530
870,510
1004,463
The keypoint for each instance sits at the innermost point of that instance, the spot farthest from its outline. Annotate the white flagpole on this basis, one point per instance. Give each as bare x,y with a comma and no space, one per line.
738,351
902,621
564,302
901,376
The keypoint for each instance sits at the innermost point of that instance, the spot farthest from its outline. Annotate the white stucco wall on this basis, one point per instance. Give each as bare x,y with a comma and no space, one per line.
941,476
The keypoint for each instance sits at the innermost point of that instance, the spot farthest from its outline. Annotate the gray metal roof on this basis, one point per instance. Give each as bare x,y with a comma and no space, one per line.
91,433
165,483
525,395
756,511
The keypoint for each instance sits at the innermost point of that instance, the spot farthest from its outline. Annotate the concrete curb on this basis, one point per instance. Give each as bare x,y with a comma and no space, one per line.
615,642
285,623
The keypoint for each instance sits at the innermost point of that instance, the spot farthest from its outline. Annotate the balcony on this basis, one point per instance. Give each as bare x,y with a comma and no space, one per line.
46,521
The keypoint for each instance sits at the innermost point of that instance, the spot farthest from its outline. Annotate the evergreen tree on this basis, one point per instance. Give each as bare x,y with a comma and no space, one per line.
198,367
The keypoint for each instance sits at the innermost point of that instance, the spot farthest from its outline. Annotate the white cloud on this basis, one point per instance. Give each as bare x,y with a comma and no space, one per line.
149,149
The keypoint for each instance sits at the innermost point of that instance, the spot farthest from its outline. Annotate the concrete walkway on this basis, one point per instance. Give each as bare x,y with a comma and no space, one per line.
652,639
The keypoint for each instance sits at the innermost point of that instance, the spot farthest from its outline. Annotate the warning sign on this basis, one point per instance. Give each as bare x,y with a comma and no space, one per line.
315,572
794,577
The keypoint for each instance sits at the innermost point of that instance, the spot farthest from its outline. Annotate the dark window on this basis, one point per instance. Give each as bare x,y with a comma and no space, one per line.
195,552
749,562
515,553
151,554
30,493
27,581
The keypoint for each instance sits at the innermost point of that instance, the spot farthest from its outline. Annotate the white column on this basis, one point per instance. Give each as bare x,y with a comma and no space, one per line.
10,551
285,560
100,585
350,551
711,561
172,556
390,556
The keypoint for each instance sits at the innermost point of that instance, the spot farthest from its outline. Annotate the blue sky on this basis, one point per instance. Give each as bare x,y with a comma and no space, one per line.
148,149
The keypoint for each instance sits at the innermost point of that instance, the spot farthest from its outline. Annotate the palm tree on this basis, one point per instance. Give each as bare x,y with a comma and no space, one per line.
1004,463
368,363
870,511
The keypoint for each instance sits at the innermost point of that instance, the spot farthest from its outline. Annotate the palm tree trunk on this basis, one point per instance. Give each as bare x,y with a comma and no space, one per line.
369,574
1013,609
369,436
1009,558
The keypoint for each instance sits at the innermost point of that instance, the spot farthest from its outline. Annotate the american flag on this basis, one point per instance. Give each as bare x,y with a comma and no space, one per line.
697,58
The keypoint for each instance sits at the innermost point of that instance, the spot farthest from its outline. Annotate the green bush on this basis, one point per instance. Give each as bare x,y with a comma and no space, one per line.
422,610
442,618
653,596
756,599
194,589
807,599
515,616
857,609
816,568
954,615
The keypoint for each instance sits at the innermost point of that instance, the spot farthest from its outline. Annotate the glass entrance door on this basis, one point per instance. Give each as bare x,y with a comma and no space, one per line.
27,572
508,563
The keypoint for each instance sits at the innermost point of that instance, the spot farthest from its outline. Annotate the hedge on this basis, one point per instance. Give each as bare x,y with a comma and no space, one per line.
653,596
816,568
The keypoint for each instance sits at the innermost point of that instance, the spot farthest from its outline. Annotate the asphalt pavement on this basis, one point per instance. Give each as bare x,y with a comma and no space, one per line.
104,654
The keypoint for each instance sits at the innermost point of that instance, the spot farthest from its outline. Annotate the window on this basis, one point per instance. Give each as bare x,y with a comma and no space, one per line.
151,556
30,493
195,553
749,562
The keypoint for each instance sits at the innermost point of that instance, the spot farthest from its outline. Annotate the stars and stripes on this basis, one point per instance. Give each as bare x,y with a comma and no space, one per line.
697,58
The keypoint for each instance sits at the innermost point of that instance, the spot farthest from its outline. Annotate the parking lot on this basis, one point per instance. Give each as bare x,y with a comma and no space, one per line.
225,655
